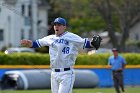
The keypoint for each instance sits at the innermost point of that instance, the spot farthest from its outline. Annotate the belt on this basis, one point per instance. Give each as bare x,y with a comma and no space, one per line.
117,70
61,69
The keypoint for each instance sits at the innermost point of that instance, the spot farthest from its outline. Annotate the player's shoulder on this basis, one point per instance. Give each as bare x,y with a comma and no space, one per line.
111,57
50,36
71,35
120,56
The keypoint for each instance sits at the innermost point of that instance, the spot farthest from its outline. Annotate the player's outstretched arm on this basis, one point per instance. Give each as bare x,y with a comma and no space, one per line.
26,43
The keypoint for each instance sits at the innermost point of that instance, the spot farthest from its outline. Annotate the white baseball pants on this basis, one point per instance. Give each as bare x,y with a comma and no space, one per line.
62,82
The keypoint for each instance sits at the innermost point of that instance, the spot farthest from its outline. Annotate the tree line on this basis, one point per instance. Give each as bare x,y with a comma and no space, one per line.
107,15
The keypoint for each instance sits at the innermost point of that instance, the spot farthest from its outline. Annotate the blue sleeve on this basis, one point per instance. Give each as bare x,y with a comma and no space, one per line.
124,62
35,44
109,61
87,45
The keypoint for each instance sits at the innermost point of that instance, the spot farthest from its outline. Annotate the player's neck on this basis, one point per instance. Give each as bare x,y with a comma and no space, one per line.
57,33
115,56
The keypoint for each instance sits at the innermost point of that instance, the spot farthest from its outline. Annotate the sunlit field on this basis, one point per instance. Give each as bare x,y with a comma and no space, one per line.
90,90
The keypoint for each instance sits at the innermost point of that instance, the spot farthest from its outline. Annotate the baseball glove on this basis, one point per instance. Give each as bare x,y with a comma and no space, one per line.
96,41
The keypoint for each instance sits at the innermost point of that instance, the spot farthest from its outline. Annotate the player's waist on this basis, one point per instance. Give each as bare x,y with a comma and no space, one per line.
61,69
117,70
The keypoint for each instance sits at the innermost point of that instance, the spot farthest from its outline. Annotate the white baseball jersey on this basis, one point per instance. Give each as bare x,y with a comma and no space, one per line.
63,49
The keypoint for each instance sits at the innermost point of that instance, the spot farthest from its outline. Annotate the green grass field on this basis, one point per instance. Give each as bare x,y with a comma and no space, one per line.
94,90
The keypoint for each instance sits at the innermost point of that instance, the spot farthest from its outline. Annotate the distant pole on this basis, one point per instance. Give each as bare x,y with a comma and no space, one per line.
34,18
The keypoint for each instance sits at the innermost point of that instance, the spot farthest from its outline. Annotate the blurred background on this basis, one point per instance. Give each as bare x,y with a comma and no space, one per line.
116,21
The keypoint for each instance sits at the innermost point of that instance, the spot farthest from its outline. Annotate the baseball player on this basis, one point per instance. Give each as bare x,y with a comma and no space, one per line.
63,50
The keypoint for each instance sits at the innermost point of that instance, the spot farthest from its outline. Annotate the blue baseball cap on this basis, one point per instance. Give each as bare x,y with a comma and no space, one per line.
114,49
60,20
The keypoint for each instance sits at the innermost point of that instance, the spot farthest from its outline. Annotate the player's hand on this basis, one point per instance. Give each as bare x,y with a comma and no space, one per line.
96,41
26,43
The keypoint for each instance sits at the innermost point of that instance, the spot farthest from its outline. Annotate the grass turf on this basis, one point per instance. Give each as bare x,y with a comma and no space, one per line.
93,90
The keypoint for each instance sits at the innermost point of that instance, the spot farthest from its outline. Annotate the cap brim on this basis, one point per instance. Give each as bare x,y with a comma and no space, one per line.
58,23
114,50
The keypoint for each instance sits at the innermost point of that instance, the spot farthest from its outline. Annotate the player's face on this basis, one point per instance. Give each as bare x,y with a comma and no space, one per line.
115,53
59,29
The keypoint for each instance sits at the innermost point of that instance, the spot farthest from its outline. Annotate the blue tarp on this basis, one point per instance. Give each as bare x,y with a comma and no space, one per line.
131,76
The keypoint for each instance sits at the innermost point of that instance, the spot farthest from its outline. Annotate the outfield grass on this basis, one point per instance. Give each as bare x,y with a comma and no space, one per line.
94,90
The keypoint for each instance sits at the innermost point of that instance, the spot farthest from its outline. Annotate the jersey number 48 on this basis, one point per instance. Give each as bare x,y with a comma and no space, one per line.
65,50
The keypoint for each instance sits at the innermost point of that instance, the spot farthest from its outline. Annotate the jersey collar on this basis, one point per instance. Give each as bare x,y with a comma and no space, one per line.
62,34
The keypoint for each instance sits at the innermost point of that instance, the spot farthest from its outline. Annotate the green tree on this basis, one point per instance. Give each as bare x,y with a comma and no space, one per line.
80,17
87,15
129,15
127,12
